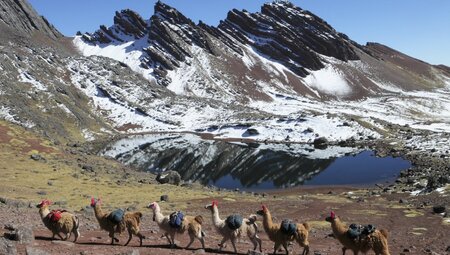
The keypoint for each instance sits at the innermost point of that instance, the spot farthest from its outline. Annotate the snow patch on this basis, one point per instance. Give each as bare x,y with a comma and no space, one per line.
28,78
129,53
88,135
5,113
328,80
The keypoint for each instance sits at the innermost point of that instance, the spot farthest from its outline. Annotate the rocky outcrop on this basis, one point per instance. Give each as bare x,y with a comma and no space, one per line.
128,25
290,35
20,15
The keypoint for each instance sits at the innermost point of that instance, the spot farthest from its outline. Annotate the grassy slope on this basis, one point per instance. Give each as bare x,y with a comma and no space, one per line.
25,179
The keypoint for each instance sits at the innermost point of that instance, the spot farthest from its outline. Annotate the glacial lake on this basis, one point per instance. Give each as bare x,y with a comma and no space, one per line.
254,167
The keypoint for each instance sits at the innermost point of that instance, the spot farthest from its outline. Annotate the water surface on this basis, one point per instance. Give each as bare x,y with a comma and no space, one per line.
256,166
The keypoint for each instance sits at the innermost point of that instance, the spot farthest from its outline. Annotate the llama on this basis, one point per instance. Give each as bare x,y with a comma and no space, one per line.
130,222
59,221
192,224
248,227
279,237
376,241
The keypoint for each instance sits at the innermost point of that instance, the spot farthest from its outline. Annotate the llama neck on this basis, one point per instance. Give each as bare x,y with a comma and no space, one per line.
215,217
338,227
267,221
159,217
44,211
99,214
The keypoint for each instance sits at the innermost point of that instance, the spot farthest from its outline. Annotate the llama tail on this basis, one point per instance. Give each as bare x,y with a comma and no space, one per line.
307,226
199,219
252,221
76,227
138,216
252,218
384,232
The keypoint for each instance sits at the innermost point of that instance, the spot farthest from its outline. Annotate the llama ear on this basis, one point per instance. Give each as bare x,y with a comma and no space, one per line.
264,207
332,215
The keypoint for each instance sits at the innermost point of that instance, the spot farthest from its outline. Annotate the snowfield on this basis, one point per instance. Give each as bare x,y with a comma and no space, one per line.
289,117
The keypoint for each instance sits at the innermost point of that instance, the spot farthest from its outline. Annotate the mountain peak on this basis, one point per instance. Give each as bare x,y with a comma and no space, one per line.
20,15
166,12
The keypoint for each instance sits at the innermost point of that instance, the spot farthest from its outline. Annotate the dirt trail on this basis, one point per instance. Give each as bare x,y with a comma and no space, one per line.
413,228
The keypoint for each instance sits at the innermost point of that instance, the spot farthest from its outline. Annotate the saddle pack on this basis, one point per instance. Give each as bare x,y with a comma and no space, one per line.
55,215
357,231
234,221
288,227
116,216
176,219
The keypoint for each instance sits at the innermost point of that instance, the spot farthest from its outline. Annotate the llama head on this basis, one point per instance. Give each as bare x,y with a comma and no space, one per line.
331,218
263,210
43,203
94,201
152,205
213,204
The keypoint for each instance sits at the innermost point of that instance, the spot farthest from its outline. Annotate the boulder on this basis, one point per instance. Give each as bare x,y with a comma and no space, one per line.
439,209
35,251
170,177
24,234
320,143
7,247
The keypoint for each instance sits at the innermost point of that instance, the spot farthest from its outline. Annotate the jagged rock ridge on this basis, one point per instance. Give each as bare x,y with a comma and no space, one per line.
282,49
20,15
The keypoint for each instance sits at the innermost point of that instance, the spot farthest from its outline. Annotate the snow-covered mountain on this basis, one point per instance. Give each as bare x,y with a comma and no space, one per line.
255,56
282,75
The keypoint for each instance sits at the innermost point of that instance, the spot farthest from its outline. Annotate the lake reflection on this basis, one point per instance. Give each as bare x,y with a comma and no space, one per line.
255,167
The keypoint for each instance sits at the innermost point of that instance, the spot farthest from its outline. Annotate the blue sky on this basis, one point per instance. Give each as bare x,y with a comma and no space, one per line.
418,28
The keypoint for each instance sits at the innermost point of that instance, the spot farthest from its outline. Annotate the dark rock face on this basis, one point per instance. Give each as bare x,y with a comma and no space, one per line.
126,22
288,34
281,31
21,16
169,32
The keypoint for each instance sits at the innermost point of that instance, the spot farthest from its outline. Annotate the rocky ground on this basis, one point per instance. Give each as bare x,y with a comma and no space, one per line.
414,227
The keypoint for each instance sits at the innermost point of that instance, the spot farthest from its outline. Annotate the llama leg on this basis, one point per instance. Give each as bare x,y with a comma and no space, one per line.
168,239
259,242
76,233
111,234
233,242
285,246
276,246
305,244
306,250
222,243
130,235
172,237
254,242
202,240
60,236
343,250
192,239
141,236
